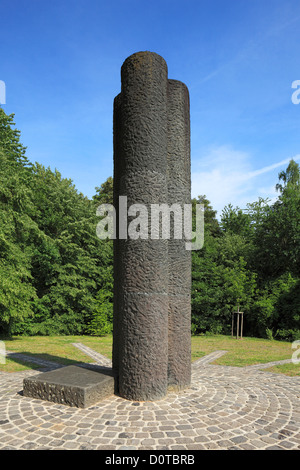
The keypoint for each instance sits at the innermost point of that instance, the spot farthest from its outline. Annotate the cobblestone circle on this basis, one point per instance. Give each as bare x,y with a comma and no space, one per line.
225,408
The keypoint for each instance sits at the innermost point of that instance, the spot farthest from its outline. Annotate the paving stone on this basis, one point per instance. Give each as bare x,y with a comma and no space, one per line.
239,439
225,408
287,444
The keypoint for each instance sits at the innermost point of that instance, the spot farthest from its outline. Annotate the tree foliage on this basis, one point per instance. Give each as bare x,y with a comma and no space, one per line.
52,264
56,276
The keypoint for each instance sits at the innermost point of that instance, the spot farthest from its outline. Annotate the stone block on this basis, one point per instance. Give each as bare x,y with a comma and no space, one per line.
77,386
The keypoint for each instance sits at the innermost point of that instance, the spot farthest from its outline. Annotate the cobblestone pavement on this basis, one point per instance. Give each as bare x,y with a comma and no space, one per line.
224,408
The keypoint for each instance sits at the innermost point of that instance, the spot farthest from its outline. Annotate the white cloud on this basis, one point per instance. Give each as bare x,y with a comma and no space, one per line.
272,167
227,176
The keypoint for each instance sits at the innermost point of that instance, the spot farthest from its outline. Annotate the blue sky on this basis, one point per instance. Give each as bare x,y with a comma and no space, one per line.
60,61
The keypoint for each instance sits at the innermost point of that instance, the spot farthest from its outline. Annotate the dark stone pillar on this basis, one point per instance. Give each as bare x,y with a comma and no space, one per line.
179,259
116,263
151,348
141,267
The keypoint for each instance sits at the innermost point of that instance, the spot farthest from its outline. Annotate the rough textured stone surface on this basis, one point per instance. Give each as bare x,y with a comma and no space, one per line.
151,276
141,280
72,385
179,259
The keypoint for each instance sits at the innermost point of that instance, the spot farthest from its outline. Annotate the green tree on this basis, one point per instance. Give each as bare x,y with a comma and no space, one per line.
68,292
220,276
53,268
278,237
290,177
16,226
277,261
104,193
10,140
211,224
234,220
276,310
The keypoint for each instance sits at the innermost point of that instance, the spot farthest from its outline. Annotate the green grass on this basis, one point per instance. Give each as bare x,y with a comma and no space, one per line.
53,348
240,353
246,352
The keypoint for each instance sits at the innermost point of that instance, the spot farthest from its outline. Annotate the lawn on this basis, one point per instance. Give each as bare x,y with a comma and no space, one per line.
241,352
246,352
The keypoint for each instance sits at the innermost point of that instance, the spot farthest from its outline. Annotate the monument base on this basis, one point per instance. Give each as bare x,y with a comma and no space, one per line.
77,386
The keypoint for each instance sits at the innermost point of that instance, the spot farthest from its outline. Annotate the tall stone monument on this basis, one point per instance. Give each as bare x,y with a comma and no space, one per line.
152,273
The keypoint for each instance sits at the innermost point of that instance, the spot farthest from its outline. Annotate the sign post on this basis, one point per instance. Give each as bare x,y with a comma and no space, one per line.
239,323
